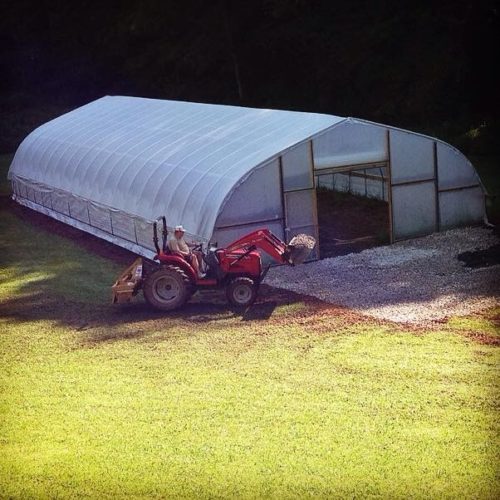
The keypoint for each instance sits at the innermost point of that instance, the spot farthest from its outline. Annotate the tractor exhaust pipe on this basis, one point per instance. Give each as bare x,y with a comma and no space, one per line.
164,235
155,237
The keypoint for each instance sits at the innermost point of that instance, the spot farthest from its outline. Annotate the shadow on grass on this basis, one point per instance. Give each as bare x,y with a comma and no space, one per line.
105,322
36,302
56,274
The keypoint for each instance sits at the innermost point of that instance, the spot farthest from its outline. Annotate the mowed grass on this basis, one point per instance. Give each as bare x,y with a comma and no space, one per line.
295,400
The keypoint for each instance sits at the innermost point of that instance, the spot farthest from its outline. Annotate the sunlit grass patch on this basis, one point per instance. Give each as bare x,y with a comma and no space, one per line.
361,414
294,399
32,260
475,323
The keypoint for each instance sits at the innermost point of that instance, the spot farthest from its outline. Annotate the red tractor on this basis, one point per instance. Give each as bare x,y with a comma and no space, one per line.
170,280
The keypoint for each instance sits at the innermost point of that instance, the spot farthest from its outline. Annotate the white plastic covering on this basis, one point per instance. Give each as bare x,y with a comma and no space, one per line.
113,166
297,168
145,158
416,209
257,199
455,169
461,207
353,142
415,166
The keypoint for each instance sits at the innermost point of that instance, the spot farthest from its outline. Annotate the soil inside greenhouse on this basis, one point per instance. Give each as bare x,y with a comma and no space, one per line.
349,223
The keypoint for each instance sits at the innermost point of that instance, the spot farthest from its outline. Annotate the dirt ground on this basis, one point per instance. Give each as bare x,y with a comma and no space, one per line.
349,223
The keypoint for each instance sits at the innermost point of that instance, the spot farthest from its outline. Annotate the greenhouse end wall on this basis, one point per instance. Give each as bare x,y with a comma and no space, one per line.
280,195
432,186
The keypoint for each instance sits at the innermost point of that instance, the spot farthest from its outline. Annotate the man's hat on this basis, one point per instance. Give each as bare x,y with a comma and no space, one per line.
180,228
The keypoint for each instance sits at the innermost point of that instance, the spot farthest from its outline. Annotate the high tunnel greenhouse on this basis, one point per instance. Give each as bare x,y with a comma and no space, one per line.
115,165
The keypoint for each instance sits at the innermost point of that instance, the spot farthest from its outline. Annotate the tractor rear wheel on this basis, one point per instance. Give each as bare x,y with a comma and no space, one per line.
241,292
167,288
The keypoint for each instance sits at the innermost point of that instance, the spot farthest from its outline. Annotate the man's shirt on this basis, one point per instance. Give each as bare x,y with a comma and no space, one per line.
178,245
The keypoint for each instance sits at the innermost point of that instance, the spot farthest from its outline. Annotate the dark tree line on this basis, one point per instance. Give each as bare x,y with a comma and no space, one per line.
428,66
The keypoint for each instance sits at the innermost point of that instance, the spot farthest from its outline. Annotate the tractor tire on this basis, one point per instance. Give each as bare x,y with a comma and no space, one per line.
167,288
241,292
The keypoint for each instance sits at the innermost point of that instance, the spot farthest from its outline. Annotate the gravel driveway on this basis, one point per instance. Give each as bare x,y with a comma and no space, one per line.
414,281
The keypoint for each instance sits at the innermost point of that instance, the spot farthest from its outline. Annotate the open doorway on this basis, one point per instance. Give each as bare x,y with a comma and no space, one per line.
353,209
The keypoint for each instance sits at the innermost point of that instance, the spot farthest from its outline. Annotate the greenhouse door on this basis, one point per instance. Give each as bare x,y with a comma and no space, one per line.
353,208
299,194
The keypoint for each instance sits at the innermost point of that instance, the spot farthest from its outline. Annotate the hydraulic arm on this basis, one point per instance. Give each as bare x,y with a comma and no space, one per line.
294,253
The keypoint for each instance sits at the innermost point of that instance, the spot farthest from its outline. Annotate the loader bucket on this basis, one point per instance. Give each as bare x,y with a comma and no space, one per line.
299,248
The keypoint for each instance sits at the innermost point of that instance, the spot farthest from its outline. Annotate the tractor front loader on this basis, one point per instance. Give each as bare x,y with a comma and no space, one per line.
169,280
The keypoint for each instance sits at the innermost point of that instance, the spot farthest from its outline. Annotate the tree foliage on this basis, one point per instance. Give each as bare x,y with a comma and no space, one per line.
416,64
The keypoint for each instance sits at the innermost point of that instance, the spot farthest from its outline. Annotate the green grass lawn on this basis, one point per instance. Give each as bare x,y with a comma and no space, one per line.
294,400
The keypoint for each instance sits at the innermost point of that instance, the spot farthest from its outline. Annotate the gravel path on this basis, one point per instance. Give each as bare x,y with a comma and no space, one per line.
415,281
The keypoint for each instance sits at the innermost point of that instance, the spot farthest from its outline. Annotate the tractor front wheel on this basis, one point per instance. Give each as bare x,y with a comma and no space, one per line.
167,288
241,292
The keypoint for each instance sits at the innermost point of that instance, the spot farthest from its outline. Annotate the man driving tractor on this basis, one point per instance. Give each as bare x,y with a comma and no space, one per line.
177,244
173,276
